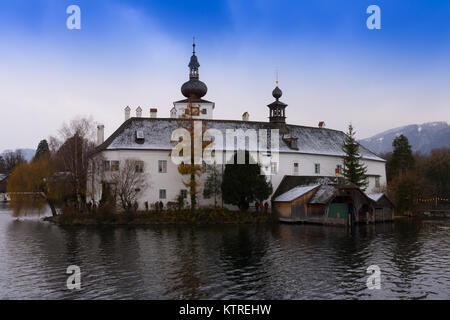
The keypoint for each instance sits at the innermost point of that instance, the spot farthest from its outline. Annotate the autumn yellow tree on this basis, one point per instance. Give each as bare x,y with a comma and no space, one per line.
192,167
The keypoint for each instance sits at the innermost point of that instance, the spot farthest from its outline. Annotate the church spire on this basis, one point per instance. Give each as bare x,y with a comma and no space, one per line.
194,88
193,64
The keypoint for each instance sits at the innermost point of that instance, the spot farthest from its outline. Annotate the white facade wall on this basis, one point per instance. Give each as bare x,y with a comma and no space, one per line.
171,181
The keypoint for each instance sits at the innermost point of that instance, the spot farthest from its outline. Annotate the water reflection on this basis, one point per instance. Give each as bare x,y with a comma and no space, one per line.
223,262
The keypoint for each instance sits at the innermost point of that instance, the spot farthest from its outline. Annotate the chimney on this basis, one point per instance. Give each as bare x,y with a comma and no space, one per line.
127,113
153,112
245,116
100,134
321,124
139,112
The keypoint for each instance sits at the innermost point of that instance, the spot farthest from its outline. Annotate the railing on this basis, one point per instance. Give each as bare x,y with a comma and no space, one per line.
435,203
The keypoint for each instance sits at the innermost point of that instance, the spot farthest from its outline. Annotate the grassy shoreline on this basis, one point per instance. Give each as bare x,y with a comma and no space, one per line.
167,217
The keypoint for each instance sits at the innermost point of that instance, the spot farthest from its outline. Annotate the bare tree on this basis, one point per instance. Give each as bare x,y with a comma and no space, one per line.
213,183
129,181
11,160
95,175
72,147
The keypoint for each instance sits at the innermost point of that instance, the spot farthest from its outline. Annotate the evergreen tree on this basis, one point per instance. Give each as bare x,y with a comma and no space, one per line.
107,195
354,170
402,158
41,150
243,183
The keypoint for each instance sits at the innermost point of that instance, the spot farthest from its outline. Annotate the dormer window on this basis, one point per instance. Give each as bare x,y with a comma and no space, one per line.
140,136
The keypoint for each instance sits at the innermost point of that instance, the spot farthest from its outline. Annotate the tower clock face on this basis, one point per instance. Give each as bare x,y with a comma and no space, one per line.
195,110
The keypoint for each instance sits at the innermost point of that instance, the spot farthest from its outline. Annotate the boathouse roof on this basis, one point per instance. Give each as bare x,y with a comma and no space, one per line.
295,193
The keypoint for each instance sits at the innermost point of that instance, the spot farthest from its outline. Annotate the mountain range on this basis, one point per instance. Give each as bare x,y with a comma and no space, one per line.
422,137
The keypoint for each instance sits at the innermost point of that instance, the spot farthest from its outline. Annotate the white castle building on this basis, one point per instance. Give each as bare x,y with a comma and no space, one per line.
303,151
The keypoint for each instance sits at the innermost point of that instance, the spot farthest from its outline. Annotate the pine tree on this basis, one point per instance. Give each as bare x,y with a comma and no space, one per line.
402,158
41,150
354,170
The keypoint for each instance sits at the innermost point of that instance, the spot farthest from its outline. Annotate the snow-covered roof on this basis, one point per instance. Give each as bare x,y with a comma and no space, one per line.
157,132
2,176
323,195
374,196
295,193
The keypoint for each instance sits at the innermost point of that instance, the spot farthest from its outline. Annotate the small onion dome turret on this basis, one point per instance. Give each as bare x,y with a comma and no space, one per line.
194,88
277,93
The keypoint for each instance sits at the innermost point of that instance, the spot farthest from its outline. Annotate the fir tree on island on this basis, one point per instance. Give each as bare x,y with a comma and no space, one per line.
354,171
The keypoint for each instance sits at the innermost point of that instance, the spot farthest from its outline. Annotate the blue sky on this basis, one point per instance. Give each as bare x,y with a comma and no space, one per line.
331,67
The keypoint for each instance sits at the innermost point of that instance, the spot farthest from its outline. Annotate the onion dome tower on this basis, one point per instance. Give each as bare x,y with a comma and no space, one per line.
277,108
194,88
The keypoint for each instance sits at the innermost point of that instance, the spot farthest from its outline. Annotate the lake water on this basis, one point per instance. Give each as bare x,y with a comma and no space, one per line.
224,262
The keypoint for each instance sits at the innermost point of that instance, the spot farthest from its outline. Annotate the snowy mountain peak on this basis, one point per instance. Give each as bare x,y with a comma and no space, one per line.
422,137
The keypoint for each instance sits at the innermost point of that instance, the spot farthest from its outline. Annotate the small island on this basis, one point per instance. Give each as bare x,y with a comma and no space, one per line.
204,216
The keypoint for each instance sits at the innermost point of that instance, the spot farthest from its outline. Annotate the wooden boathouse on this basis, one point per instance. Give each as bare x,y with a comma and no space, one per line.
328,201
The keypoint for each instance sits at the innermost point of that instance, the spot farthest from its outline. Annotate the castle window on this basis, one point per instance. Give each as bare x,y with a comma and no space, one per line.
377,182
106,165
183,193
140,166
162,166
204,111
339,169
114,165
295,167
317,168
162,193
